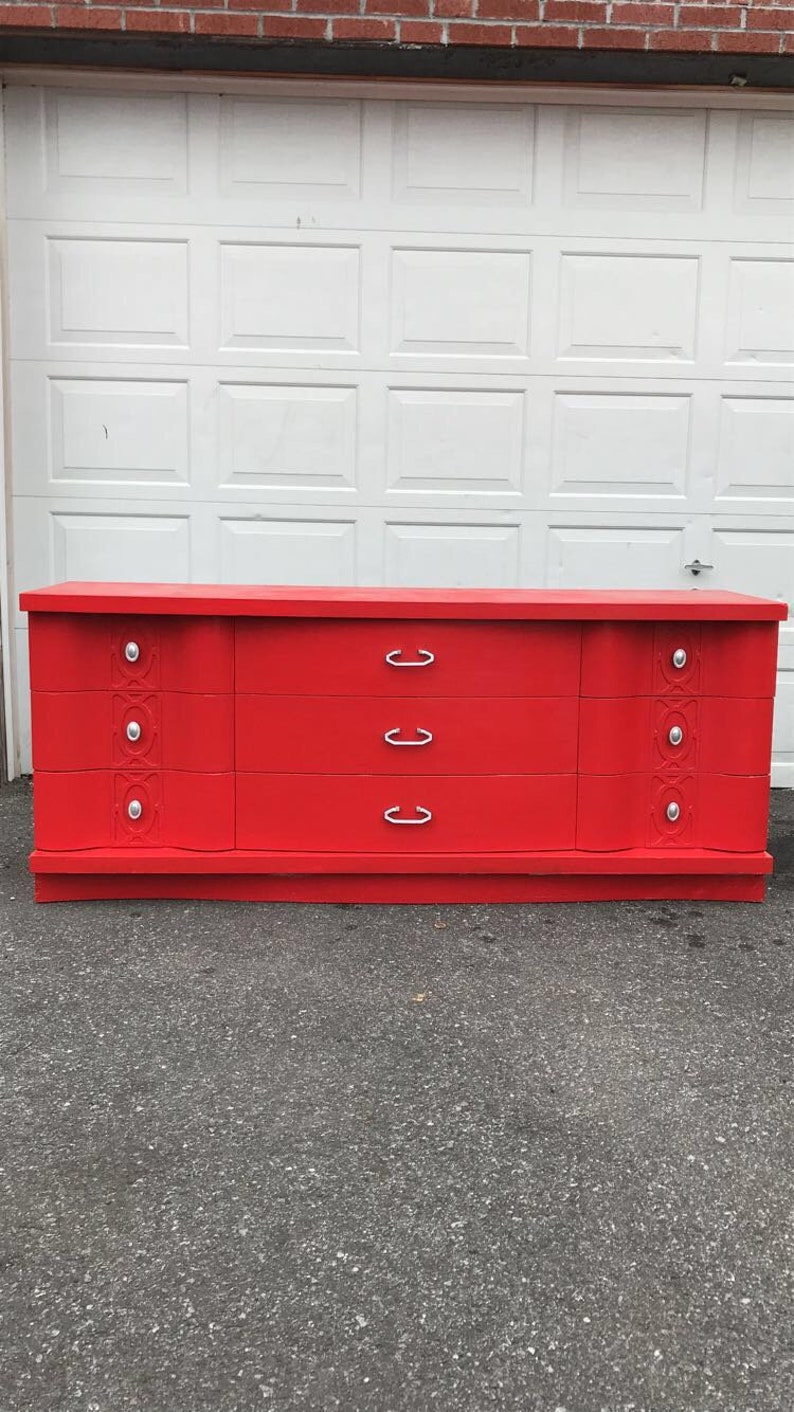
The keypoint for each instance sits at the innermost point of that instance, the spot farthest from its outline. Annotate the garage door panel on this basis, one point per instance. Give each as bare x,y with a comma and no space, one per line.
298,436
620,444
628,307
129,147
287,338
277,549
289,296
464,555
290,148
455,440
760,325
452,154
756,449
126,295
460,303
622,160
765,165
600,556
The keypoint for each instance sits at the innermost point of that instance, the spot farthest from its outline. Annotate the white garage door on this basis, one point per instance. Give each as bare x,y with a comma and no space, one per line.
265,337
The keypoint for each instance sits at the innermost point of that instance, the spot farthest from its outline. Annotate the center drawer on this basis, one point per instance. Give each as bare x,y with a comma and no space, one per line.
399,814
398,658
441,735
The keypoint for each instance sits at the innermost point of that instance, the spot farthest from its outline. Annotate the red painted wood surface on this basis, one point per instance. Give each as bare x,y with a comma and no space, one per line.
87,730
631,734
723,659
432,889
346,735
515,706
240,601
84,653
345,813
349,659
728,812
639,861
90,810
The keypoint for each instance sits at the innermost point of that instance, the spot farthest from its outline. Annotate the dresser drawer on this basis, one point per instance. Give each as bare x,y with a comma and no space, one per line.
94,730
415,658
155,809
345,813
443,735
727,812
710,734
96,652
679,659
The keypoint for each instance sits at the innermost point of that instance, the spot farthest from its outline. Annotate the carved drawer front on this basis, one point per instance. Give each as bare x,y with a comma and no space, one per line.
679,659
98,652
676,734
129,809
402,658
401,814
442,735
94,730
727,812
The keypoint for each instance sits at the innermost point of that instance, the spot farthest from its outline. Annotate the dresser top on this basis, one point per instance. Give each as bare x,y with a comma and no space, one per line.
222,600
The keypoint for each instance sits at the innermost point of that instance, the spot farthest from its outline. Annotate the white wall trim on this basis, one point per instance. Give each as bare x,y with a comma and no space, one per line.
6,579
596,95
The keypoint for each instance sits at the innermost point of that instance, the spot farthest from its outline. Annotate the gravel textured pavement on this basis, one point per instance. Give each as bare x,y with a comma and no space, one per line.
395,1158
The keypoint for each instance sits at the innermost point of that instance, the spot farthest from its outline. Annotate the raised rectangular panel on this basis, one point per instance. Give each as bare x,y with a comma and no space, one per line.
615,444
118,432
289,296
465,153
279,435
765,159
758,562
756,448
104,548
633,307
273,147
600,557
452,556
118,292
760,321
288,551
455,441
469,302
103,141
628,160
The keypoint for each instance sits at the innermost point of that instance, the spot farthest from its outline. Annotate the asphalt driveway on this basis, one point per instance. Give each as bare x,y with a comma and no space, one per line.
393,1158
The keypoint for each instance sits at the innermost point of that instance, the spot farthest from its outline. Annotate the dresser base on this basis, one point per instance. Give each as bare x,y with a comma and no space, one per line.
407,888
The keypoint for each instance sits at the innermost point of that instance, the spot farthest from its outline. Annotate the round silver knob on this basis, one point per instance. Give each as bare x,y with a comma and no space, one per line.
132,652
673,812
679,657
135,808
676,735
134,731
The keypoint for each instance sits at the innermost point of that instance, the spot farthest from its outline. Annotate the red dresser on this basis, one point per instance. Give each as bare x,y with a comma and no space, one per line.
387,745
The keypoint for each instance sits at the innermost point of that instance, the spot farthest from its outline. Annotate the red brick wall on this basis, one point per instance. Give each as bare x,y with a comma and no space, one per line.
686,26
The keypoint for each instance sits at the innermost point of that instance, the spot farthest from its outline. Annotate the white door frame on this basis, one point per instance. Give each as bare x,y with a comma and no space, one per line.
386,89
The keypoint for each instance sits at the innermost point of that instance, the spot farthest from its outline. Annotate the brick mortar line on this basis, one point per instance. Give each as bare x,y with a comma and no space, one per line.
159,7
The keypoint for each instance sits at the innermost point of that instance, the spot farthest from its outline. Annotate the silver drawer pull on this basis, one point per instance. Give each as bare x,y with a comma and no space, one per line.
134,809
425,737
426,658
424,815
133,731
